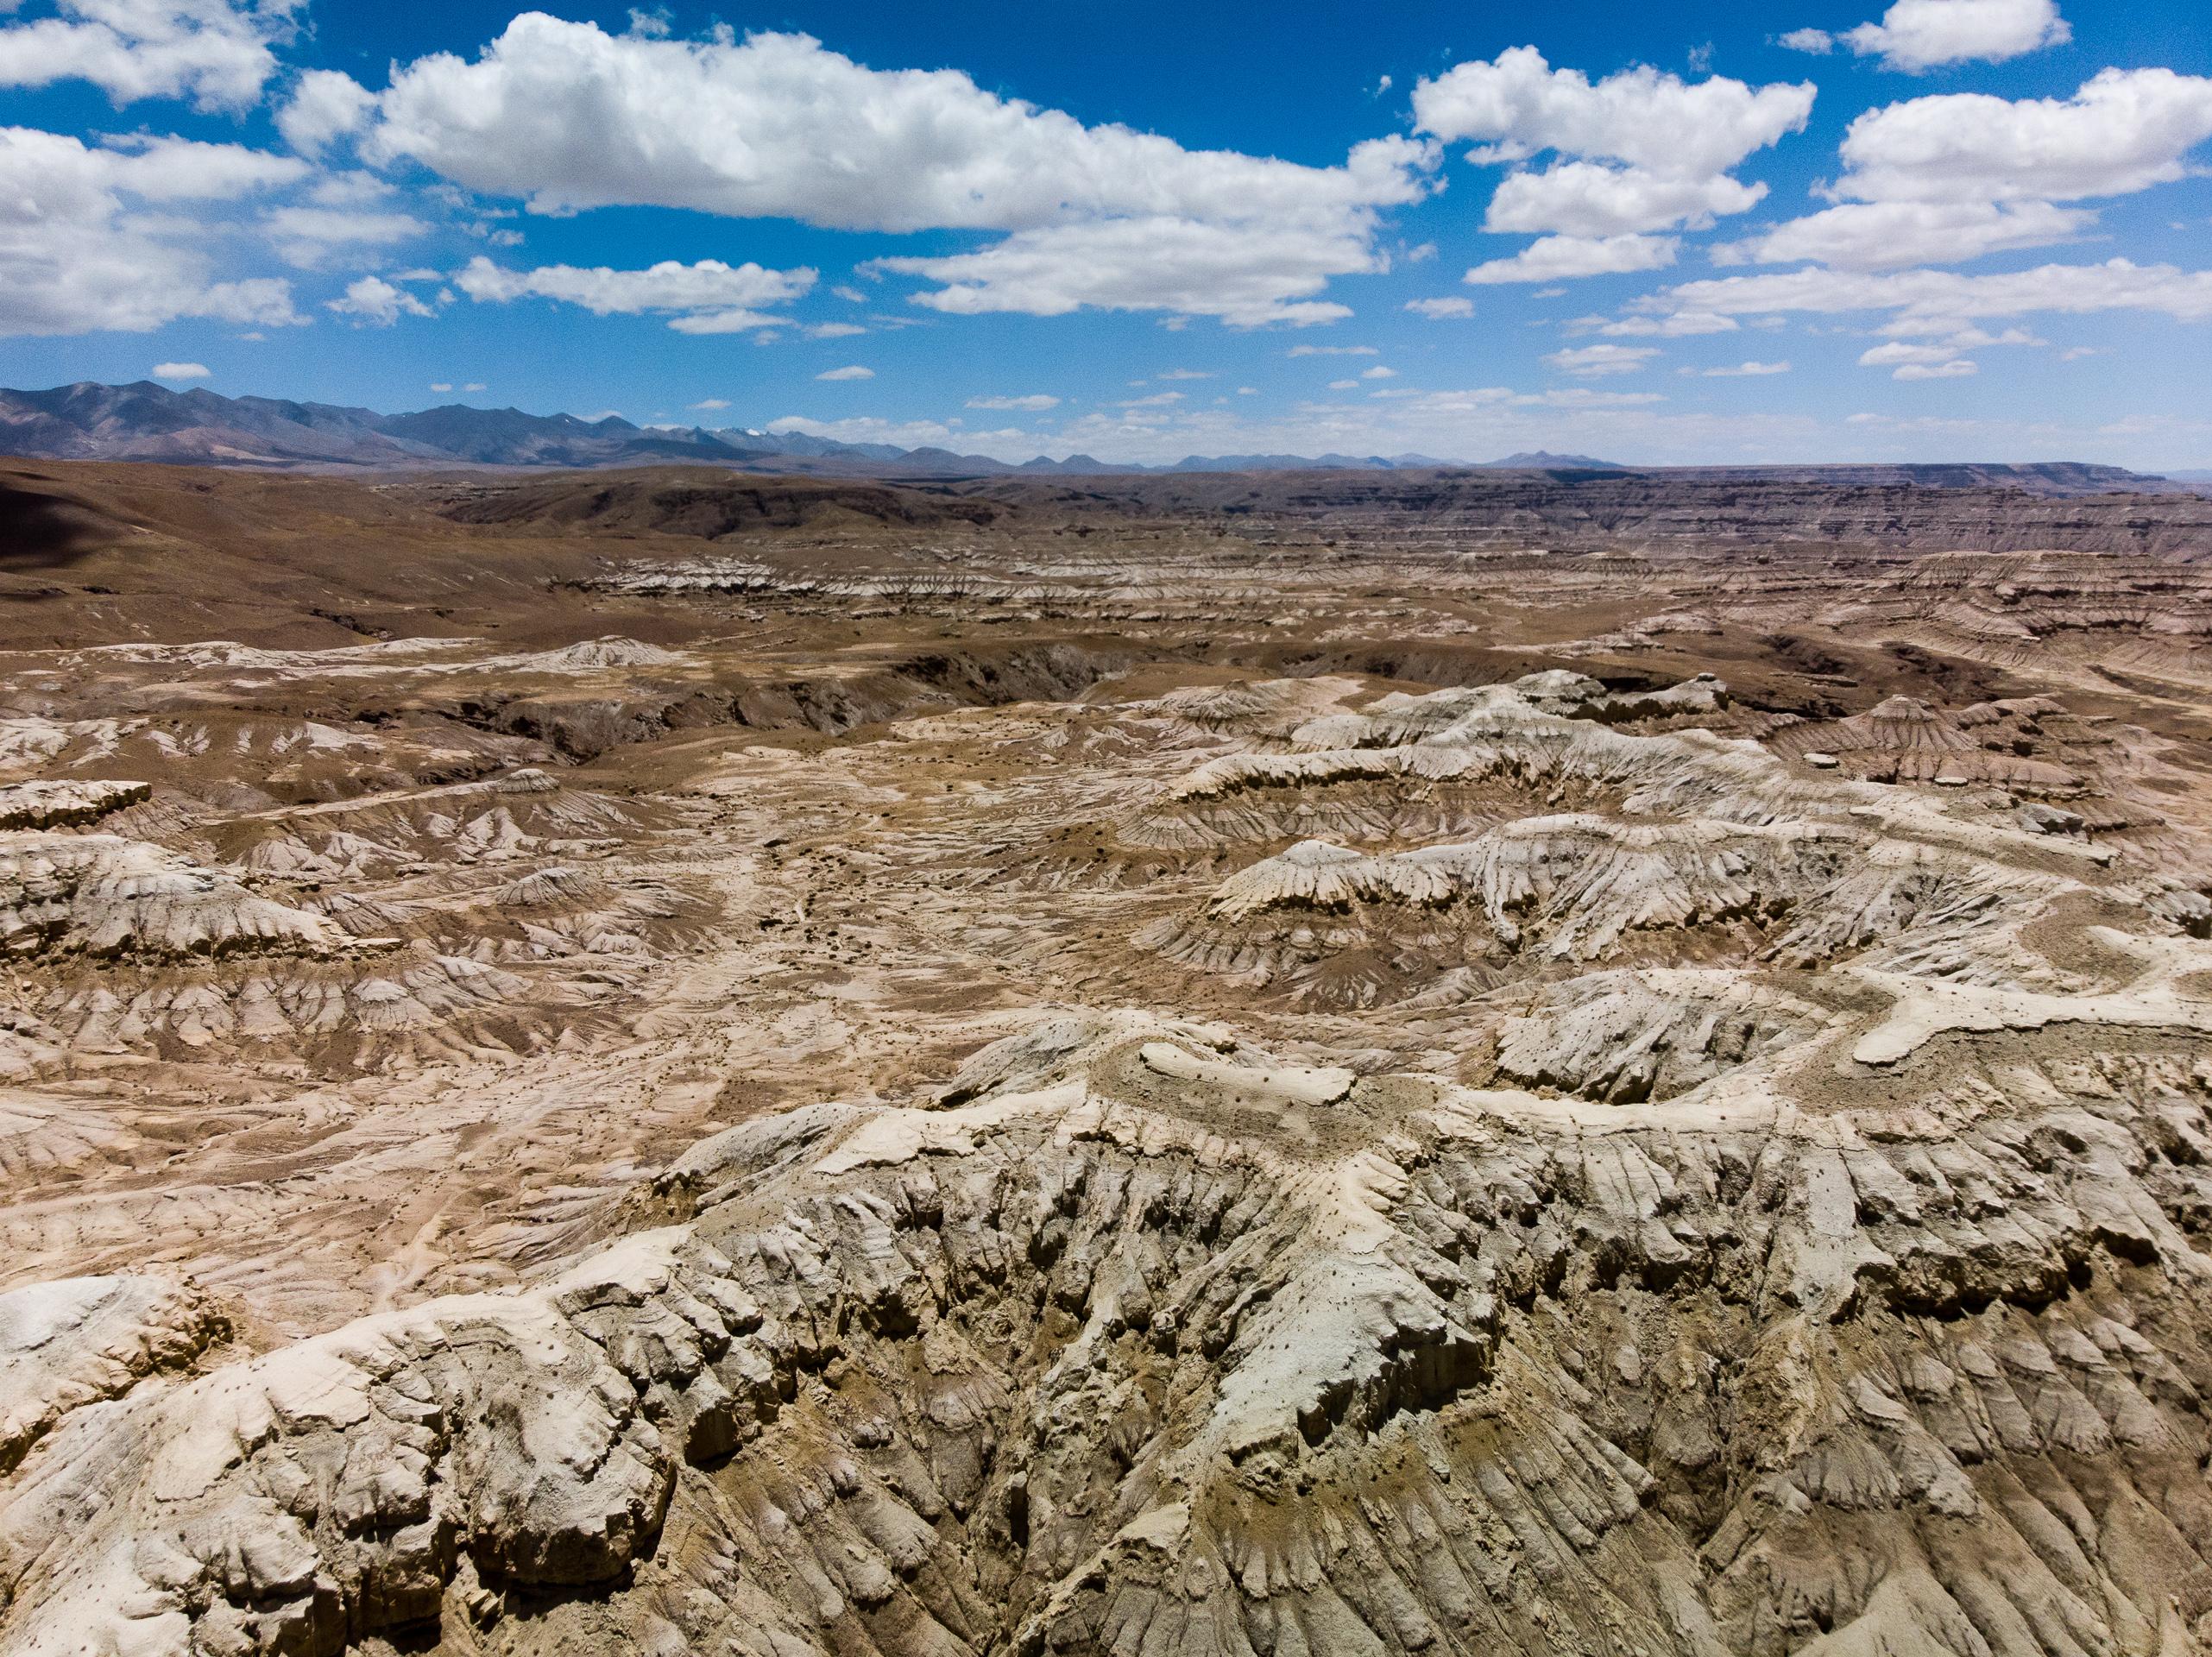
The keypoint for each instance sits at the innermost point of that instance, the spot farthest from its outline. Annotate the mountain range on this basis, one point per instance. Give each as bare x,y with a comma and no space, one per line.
143,421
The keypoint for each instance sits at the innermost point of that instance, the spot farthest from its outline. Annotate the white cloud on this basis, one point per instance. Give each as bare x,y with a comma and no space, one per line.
1917,35
1746,371
1816,41
2123,130
1584,397
180,371
706,298
571,117
832,330
1559,258
1918,349
1584,199
1930,300
1587,360
779,126
1897,352
1638,152
1379,372
1439,310
850,294
1247,274
1681,325
710,405
1344,385
852,371
1158,399
475,385
1519,105
1949,178
78,254
1886,234
1332,350
1035,404
350,188
377,303
214,52
306,236
324,106
1185,373
906,434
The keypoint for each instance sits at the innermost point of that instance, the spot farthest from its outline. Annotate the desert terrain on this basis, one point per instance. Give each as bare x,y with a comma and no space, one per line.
1305,1065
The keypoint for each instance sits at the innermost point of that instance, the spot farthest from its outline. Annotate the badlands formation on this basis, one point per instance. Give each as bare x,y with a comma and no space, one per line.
1289,1068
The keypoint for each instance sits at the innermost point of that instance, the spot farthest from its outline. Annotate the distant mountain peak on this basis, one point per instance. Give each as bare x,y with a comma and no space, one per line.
1542,460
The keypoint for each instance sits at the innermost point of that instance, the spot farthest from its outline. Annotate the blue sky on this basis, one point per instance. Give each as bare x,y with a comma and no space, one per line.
1834,230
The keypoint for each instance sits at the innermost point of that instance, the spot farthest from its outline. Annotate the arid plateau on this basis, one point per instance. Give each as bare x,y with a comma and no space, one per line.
1294,1065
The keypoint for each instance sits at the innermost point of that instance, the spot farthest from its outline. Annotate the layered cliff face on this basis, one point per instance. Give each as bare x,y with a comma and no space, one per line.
844,1094
1844,507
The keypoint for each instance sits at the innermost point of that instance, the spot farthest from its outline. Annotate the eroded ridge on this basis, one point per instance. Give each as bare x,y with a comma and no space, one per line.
1144,1334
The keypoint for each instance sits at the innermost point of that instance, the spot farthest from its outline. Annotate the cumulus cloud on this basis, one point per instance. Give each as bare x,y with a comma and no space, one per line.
1593,360
375,302
1935,314
706,298
214,52
78,251
1584,199
2123,130
710,405
1558,258
1940,300
1745,371
1332,350
1949,178
1638,152
780,126
180,371
1886,235
1440,310
1246,273
568,117
1920,34
1916,350
851,371
324,106
1036,403
1519,106
308,237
